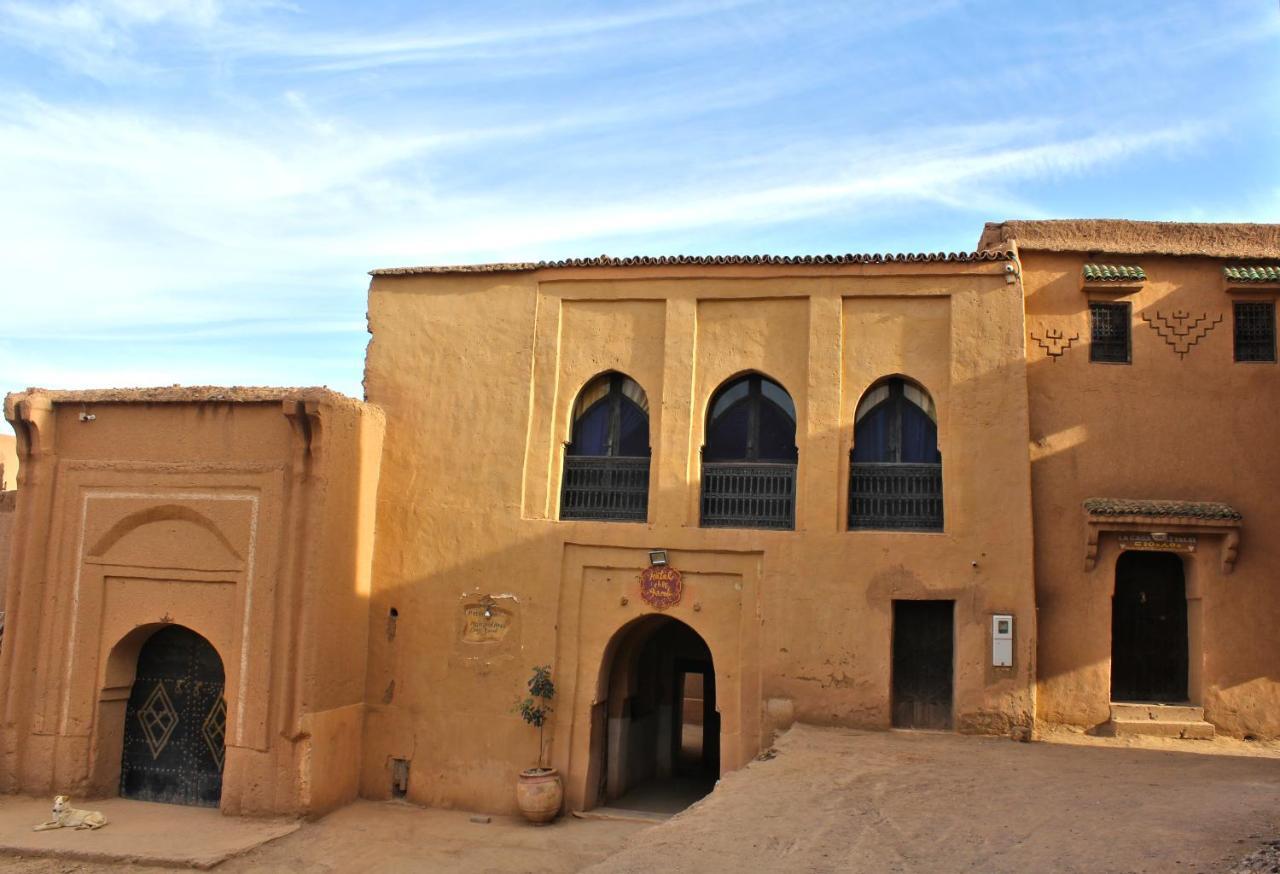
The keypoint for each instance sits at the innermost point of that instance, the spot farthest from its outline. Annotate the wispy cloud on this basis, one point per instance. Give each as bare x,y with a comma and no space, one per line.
196,188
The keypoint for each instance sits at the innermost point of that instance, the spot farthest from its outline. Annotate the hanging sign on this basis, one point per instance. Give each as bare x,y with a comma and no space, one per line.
661,586
1156,542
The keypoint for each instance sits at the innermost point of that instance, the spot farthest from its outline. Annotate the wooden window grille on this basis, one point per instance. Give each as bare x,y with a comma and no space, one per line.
1255,330
1109,332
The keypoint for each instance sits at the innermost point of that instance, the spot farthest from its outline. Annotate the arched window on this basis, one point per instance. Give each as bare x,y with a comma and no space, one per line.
895,470
606,464
751,419
896,422
611,417
749,460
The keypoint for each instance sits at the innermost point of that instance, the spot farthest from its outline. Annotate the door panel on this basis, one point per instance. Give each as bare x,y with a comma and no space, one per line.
175,724
922,663
1149,628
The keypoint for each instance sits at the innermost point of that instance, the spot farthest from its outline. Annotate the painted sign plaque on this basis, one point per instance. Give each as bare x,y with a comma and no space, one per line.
484,622
661,586
1158,542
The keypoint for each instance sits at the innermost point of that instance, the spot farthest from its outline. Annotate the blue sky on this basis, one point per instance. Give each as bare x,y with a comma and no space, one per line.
192,192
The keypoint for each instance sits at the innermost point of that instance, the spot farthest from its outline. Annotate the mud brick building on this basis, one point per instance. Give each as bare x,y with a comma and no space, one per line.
978,492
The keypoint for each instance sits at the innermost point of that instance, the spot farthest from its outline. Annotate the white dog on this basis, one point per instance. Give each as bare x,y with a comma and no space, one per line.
66,816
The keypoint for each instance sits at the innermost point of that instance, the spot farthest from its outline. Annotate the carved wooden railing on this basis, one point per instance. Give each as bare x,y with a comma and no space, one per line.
895,496
744,494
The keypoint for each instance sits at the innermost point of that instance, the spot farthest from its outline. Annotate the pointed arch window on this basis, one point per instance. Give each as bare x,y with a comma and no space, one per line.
749,460
895,469
606,464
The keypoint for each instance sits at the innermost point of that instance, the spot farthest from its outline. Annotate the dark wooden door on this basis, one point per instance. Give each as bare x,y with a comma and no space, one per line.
176,721
922,663
1149,628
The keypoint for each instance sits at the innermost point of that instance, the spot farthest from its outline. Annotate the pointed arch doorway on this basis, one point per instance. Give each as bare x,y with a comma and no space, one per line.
658,750
175,722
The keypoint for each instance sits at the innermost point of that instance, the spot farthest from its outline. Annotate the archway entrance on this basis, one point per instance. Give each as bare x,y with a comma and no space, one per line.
1149,629
660,745
175,724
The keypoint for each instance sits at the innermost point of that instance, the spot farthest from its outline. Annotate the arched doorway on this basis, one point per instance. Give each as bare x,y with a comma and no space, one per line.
175,723
1149,628
660,745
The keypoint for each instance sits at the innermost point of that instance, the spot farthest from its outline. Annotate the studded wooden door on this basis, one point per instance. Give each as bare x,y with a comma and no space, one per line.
175,725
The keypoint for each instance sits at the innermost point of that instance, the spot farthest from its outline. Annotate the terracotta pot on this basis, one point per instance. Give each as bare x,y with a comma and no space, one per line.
539,793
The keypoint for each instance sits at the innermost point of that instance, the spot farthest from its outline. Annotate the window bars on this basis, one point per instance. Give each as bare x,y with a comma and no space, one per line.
1255,330
1109,332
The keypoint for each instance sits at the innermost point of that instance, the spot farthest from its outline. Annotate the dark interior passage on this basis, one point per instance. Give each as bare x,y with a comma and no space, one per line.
923,660
657,737
1149,628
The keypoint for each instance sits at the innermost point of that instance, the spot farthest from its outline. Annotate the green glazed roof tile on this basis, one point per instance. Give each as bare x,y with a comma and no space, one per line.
1113,273
1170,509
1258,273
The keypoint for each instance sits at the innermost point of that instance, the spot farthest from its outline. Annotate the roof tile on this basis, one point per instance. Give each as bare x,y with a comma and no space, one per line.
702,261
1258,273
1114,273
1169,509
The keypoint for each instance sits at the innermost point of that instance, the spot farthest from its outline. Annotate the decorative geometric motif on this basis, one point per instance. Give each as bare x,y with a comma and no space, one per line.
214,730
158,719
1054,342
1123,273
1181,330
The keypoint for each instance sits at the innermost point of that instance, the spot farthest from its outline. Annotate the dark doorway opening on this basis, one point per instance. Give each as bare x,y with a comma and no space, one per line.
176,722
657,748
923,657
1149,628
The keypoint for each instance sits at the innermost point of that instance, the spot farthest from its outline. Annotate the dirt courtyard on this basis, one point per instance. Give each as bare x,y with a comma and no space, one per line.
846,801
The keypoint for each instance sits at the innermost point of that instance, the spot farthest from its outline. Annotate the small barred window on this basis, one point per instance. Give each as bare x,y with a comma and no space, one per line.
1255,331
1109,332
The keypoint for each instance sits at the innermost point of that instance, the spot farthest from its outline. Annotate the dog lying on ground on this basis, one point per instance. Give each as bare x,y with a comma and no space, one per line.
66,816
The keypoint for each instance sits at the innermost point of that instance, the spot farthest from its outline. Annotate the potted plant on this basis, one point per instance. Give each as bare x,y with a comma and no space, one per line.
539,791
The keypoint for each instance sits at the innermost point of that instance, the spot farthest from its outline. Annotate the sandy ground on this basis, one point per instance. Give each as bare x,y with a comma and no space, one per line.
387,837
848,801
839,800
161,834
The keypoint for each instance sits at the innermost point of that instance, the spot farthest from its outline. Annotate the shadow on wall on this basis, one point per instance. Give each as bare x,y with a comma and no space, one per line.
1180,422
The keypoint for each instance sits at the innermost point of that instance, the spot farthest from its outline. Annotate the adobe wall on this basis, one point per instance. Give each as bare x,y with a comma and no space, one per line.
245,515
1192,426
8,503
8,506
8,462
477,373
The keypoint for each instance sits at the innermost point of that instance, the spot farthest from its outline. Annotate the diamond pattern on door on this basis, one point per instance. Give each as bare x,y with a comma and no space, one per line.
158,719
214,730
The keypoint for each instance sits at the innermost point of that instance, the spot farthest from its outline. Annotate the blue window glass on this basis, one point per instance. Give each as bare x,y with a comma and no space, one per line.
752,419
611,418
898,427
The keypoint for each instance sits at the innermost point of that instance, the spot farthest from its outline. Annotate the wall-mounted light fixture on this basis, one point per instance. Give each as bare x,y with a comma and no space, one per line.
658,557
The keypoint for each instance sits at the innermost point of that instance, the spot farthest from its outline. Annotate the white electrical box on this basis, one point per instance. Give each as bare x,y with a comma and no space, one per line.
1002,640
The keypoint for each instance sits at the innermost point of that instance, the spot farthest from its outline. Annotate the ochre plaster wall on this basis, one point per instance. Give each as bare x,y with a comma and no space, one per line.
478,373
1193,427
8,501
8,462
243,515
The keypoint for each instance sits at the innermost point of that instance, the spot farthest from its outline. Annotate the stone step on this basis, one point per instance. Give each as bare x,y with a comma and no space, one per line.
1157,712
1158,720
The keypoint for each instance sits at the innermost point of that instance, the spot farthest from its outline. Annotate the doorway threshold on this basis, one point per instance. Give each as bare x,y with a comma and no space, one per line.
619,814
